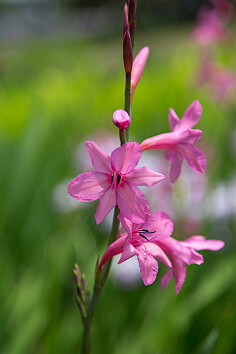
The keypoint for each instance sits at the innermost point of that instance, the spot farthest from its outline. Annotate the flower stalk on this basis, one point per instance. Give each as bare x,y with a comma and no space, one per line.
114,182
99,282
101,275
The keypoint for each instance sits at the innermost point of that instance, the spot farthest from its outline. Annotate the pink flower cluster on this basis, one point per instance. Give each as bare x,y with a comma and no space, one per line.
115,179
211,29
151,240
211,23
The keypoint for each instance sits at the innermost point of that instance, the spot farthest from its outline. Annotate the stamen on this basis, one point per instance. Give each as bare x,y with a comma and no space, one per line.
140,234
118,179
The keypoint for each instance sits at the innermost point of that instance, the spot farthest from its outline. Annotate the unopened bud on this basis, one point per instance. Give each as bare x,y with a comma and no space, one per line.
125,19
121,119
127,53
137,69
132,14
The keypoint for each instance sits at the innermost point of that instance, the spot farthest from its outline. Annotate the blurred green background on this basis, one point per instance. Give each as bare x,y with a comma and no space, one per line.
55,91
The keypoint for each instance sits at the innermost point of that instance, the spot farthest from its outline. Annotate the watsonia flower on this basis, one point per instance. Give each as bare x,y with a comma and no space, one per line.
152,239
179,144
182,253
114,182
140,240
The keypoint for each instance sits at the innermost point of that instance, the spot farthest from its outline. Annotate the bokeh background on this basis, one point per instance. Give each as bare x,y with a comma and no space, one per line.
61,78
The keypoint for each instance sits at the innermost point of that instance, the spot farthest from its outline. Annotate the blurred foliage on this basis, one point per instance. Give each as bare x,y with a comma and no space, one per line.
52,96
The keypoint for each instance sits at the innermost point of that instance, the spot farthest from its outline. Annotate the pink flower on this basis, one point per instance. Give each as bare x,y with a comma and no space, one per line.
184,252
114,182
179,144
224,9
141,241
210,28
222,82
137,69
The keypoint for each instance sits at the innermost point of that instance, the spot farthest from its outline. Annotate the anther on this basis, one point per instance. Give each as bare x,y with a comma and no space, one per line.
140,234
147,231
118,179
112,178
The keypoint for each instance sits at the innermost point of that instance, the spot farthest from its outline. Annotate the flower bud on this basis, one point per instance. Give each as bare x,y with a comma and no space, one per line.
121,119
127,53
132,14
137,69
125,19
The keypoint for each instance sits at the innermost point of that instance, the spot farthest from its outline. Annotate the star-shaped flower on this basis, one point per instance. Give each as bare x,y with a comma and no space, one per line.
179,144
114,182
141,241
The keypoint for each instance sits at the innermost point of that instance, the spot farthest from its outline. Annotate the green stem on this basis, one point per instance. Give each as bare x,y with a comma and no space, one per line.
122,135
100,280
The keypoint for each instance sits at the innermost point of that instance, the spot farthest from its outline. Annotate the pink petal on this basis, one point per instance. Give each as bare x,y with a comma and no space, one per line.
166,279
88,186
132,203
148,268
126,223
176,167
105,204
191,116
161,224
126,157
189,256
194,157
137,69
179,273
158,142
100,160
143,176
170,155
154,250
128,252
171,140
173,119
189,136
114,249
177,249
200,243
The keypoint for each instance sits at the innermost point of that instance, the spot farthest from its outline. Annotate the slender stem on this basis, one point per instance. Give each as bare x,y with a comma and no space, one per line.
122,135
100,280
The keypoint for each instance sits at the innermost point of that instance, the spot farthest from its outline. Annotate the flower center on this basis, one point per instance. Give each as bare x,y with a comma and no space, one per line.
116,179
